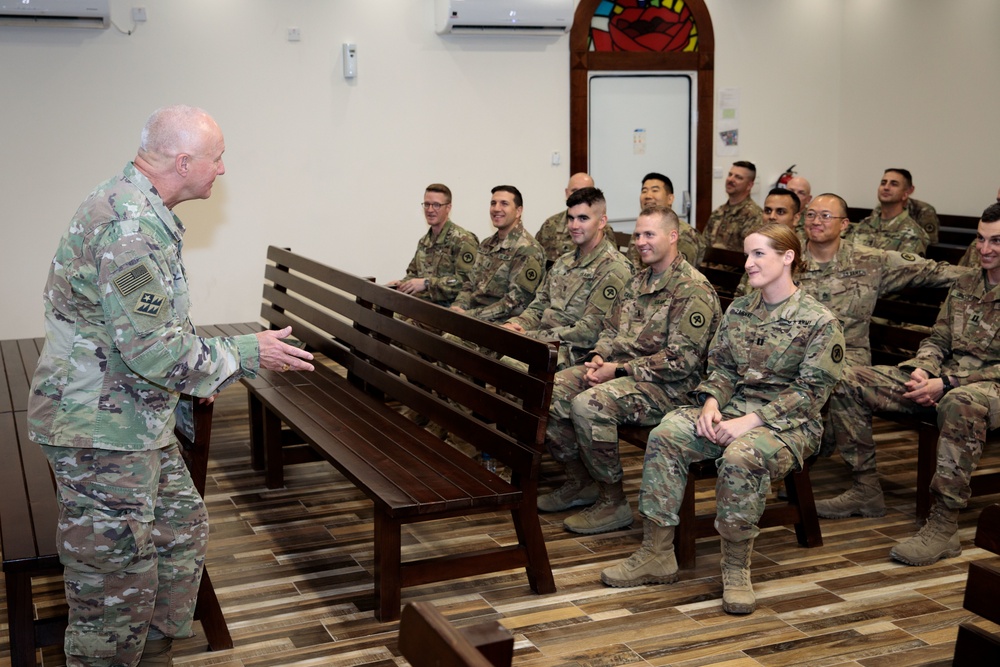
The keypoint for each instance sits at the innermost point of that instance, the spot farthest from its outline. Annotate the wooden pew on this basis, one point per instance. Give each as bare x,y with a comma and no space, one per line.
383,340
29,512
974,645
427,639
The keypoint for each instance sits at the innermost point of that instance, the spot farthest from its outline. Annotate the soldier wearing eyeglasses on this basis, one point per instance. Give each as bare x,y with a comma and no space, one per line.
445,254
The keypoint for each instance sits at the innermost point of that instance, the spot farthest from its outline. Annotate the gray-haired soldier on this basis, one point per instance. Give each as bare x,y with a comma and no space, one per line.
119,350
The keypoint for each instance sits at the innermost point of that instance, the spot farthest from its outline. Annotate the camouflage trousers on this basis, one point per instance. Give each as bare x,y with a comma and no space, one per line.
583,420
963,416
132,535
746,468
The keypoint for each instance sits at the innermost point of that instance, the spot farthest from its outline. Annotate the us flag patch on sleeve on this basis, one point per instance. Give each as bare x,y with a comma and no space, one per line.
132,280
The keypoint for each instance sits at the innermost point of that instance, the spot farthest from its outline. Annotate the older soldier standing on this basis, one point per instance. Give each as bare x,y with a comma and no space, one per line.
651,351
119,350
581,286
956,374
554,234
774,360
445,254
510,265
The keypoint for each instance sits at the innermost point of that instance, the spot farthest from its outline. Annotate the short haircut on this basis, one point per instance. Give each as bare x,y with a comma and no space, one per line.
905,173
669,218
843,202
440,188
782,192
172,129
589,196
518,201
654,176
782,239
747,165
992,213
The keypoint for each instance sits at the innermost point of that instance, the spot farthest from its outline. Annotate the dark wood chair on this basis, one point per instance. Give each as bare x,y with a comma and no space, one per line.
974,645
427,639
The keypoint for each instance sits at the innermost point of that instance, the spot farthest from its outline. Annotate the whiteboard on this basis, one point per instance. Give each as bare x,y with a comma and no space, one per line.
638,123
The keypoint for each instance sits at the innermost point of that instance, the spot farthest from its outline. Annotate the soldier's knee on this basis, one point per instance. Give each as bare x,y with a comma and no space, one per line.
101,544
741,454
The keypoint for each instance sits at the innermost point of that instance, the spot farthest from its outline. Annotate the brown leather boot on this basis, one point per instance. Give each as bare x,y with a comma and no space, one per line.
936,540
578,490
737,591
610,512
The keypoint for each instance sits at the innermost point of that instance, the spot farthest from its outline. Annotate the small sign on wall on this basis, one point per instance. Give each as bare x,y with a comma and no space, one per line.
639,142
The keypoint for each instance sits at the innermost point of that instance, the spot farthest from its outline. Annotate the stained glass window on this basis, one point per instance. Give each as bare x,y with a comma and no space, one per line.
643,25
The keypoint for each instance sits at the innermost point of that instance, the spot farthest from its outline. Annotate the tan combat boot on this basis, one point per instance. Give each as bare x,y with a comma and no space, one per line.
578,490
610,512
737,591
157,653
864,498
653,563
936,540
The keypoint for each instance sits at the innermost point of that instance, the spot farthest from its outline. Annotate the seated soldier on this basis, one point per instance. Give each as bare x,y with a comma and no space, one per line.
553,234
730,223
581,286
510,265
650,353
658,190
891,228
776,357
955,375
445,254
971,257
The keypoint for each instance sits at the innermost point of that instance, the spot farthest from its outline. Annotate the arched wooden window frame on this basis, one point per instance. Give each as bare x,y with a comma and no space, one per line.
583,61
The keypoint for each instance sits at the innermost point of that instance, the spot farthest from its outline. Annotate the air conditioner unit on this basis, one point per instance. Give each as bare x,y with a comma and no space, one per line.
56,13
528,17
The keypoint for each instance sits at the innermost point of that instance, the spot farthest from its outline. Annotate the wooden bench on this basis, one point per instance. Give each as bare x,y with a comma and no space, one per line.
975,646
427,639
798,510
29,512
383,340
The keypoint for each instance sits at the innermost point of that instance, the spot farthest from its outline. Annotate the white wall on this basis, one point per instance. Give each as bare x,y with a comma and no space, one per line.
336,168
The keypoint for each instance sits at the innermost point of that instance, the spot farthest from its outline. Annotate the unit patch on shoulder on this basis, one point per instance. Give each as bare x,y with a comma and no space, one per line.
837,354
468,257
149,304
610,292
132,280
697,320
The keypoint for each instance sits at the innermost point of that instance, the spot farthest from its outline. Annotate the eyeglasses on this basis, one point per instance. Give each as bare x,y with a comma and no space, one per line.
825,216
427,205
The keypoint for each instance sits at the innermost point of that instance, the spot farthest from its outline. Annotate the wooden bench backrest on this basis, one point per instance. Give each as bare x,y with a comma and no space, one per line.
382,338
427,639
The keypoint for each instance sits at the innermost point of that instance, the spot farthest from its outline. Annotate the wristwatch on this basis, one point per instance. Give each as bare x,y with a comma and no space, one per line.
621,372
948,386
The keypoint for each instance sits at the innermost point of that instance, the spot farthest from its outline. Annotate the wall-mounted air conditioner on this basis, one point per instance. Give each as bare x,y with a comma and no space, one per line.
56,13
526,17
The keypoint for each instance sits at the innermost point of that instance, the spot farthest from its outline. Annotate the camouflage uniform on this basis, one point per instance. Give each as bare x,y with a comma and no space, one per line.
901,233
659,331
689,246
119,349
572,300
965,345
971,258
504,279
729,225
555,238
922,213
445,262
781,366
854,280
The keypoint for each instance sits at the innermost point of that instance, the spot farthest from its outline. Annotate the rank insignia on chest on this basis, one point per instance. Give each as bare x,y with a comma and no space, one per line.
975,318
149,304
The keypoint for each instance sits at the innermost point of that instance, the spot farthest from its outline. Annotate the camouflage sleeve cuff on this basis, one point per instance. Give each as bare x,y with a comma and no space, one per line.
249,348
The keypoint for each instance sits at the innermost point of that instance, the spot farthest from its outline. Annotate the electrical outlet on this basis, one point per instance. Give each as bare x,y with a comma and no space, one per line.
138,14
294,34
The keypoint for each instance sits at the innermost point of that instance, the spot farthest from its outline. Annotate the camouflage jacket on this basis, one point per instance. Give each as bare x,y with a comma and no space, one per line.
119,345
729,225
554,237
922,213
444,262
900,233
965,341
504,279
780,365
854,280
689,246
575,295
660,330
971,258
